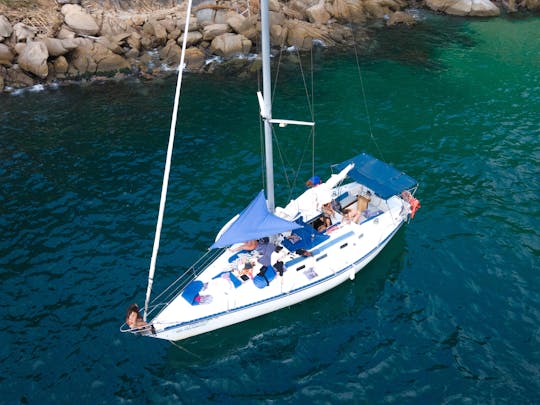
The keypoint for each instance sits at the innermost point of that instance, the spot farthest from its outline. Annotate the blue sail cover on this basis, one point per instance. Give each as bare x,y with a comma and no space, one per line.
380,177
254,222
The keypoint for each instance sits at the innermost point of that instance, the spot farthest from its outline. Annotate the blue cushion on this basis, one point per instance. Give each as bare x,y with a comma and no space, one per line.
260,281
304,238
192,291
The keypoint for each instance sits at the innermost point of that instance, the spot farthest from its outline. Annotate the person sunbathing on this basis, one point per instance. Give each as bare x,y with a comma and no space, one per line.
249,245
134,319
351,216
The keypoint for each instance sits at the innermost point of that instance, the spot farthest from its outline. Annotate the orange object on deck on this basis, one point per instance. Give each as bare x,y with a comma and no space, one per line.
413,202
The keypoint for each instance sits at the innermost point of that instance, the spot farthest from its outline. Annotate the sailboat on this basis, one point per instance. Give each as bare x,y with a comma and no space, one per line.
266,257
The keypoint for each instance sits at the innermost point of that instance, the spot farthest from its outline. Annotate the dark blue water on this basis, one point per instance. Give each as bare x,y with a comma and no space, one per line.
448,313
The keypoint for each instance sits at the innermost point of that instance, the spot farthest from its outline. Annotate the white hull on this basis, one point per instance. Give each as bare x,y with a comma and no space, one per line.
349,248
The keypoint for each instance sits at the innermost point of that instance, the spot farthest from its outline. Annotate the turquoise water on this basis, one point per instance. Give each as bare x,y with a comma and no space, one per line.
448,313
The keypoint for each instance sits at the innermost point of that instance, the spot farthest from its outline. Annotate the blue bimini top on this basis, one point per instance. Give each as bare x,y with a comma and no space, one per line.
382,178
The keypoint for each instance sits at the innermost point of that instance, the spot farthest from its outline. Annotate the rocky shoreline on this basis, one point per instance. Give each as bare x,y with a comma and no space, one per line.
51,41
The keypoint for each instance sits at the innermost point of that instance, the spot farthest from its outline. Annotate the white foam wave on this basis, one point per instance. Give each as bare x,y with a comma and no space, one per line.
36,88
213,59
319,42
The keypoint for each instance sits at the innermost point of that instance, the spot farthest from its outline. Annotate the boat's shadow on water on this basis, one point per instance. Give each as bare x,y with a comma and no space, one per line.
312,321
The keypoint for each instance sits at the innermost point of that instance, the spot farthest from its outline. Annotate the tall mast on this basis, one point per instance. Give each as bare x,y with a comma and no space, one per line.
267,101
167,170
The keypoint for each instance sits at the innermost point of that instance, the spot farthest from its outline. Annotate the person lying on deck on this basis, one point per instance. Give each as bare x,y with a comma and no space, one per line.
322,223
328,210
329,216
350,216
249,246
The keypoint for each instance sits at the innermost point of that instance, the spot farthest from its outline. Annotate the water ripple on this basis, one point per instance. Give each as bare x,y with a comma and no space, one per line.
449,312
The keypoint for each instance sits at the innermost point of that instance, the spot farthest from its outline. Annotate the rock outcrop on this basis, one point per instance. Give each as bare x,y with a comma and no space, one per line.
23,32
78,39
6,56
78,20
229,44
473,8
57,47
400,17
33,59
5,28
318,14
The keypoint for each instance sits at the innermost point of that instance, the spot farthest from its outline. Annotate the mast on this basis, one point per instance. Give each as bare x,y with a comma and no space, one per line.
266,108
165,184
265,104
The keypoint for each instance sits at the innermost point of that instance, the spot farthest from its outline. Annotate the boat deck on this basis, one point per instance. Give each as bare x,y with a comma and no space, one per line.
341,250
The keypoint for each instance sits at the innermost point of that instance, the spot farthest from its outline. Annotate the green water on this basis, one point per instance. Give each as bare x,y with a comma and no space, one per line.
447,313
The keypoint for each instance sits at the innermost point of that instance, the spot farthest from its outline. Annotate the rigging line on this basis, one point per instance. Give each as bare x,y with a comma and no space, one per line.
312,114
261,136
285,163
167,167
186,350
258,43
276,77
261,144
278,69
261,119
275,139
304,81
300,163
364,93
205,259
282,158
310,105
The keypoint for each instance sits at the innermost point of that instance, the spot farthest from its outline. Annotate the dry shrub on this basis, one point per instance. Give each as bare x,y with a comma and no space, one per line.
42,15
